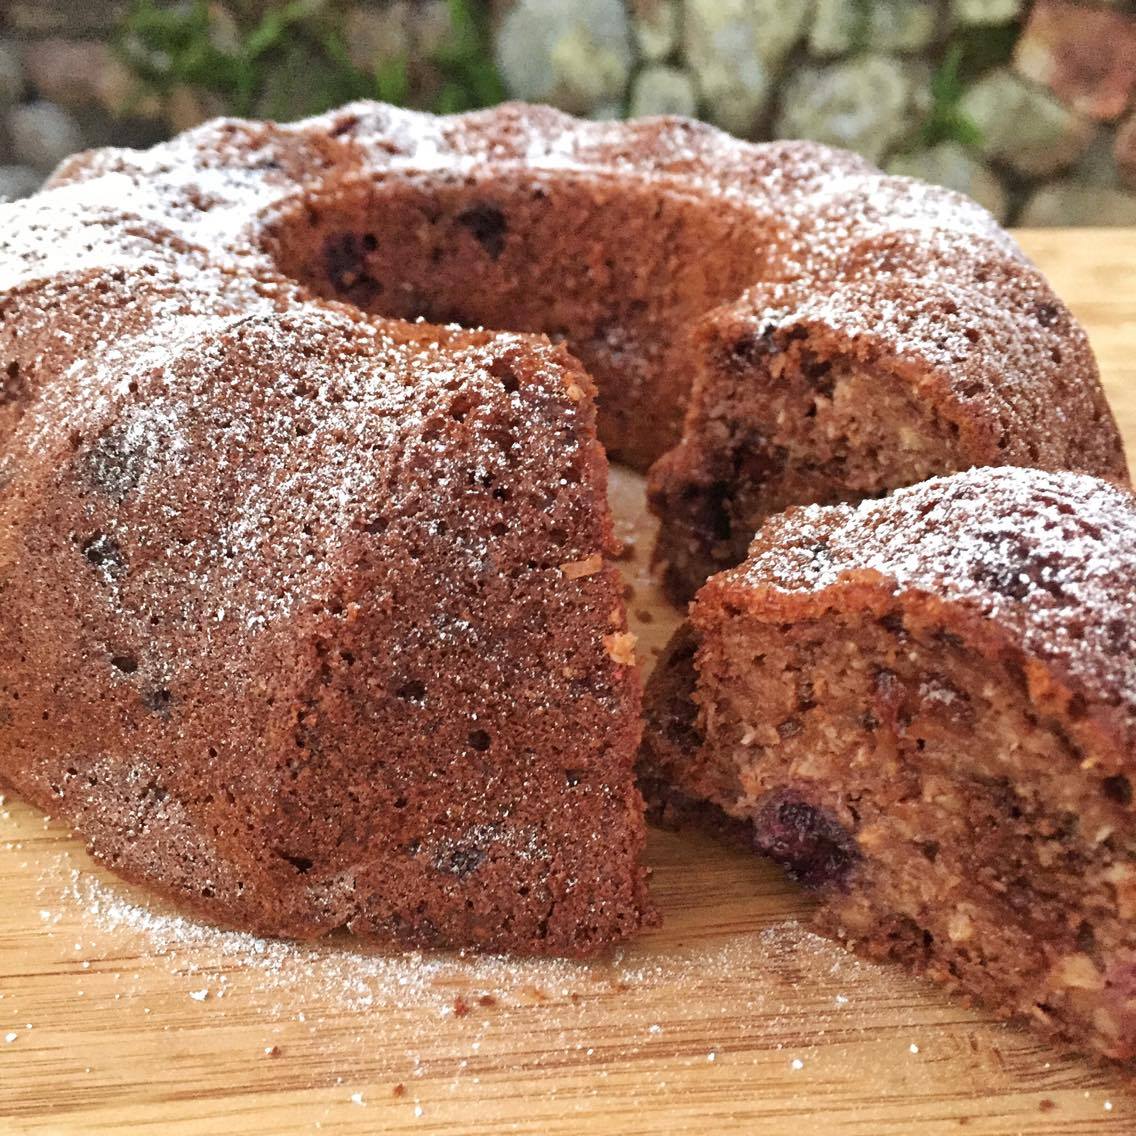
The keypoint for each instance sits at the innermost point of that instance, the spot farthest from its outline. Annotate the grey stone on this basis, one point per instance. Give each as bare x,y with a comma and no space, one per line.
984,13
836,26
1024,126
431,28
663,90
903,25
376,34
735,49
66,17
607,112
67,71
883,25
899,25
11,76
575,54
18,181
1070,203
656,24
42,135
867,104
951,165
1098,166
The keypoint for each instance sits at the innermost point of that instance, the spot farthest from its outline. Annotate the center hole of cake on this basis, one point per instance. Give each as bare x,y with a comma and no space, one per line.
619,273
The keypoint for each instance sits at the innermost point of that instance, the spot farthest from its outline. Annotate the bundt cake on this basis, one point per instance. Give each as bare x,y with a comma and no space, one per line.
307,609
924,707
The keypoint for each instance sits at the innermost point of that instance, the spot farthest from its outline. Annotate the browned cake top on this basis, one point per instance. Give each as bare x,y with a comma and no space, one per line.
194,510
192,442
217,185
336,405
1044,560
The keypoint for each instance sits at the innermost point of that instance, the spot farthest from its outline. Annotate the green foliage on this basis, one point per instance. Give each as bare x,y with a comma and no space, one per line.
970,53
945,122
392,80
466,62
289,60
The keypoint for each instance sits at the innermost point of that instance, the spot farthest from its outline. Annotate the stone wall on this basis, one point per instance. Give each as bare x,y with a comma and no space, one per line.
1030,108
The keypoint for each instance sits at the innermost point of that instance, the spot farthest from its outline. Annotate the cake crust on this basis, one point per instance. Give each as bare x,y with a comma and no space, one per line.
675,261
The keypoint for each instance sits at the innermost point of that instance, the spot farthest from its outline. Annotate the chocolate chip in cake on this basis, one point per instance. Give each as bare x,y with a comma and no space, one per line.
412,691
105,554
1118,789
459,860
12,384
302,864
753,345
158,701
487,225
345,259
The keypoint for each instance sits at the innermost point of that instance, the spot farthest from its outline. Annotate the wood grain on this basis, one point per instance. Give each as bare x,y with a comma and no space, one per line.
117,1016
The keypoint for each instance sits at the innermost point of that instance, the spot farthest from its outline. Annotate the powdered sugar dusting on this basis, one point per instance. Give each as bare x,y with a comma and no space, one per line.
220,187
352,979
894,265
227,475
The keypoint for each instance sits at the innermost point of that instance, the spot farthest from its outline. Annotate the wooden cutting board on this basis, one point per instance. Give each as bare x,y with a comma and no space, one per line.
116,1015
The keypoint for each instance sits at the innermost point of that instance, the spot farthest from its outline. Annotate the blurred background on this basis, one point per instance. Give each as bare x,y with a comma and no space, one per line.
1028,107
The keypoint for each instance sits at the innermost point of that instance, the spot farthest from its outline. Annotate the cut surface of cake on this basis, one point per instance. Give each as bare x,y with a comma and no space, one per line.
893,358
924,707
